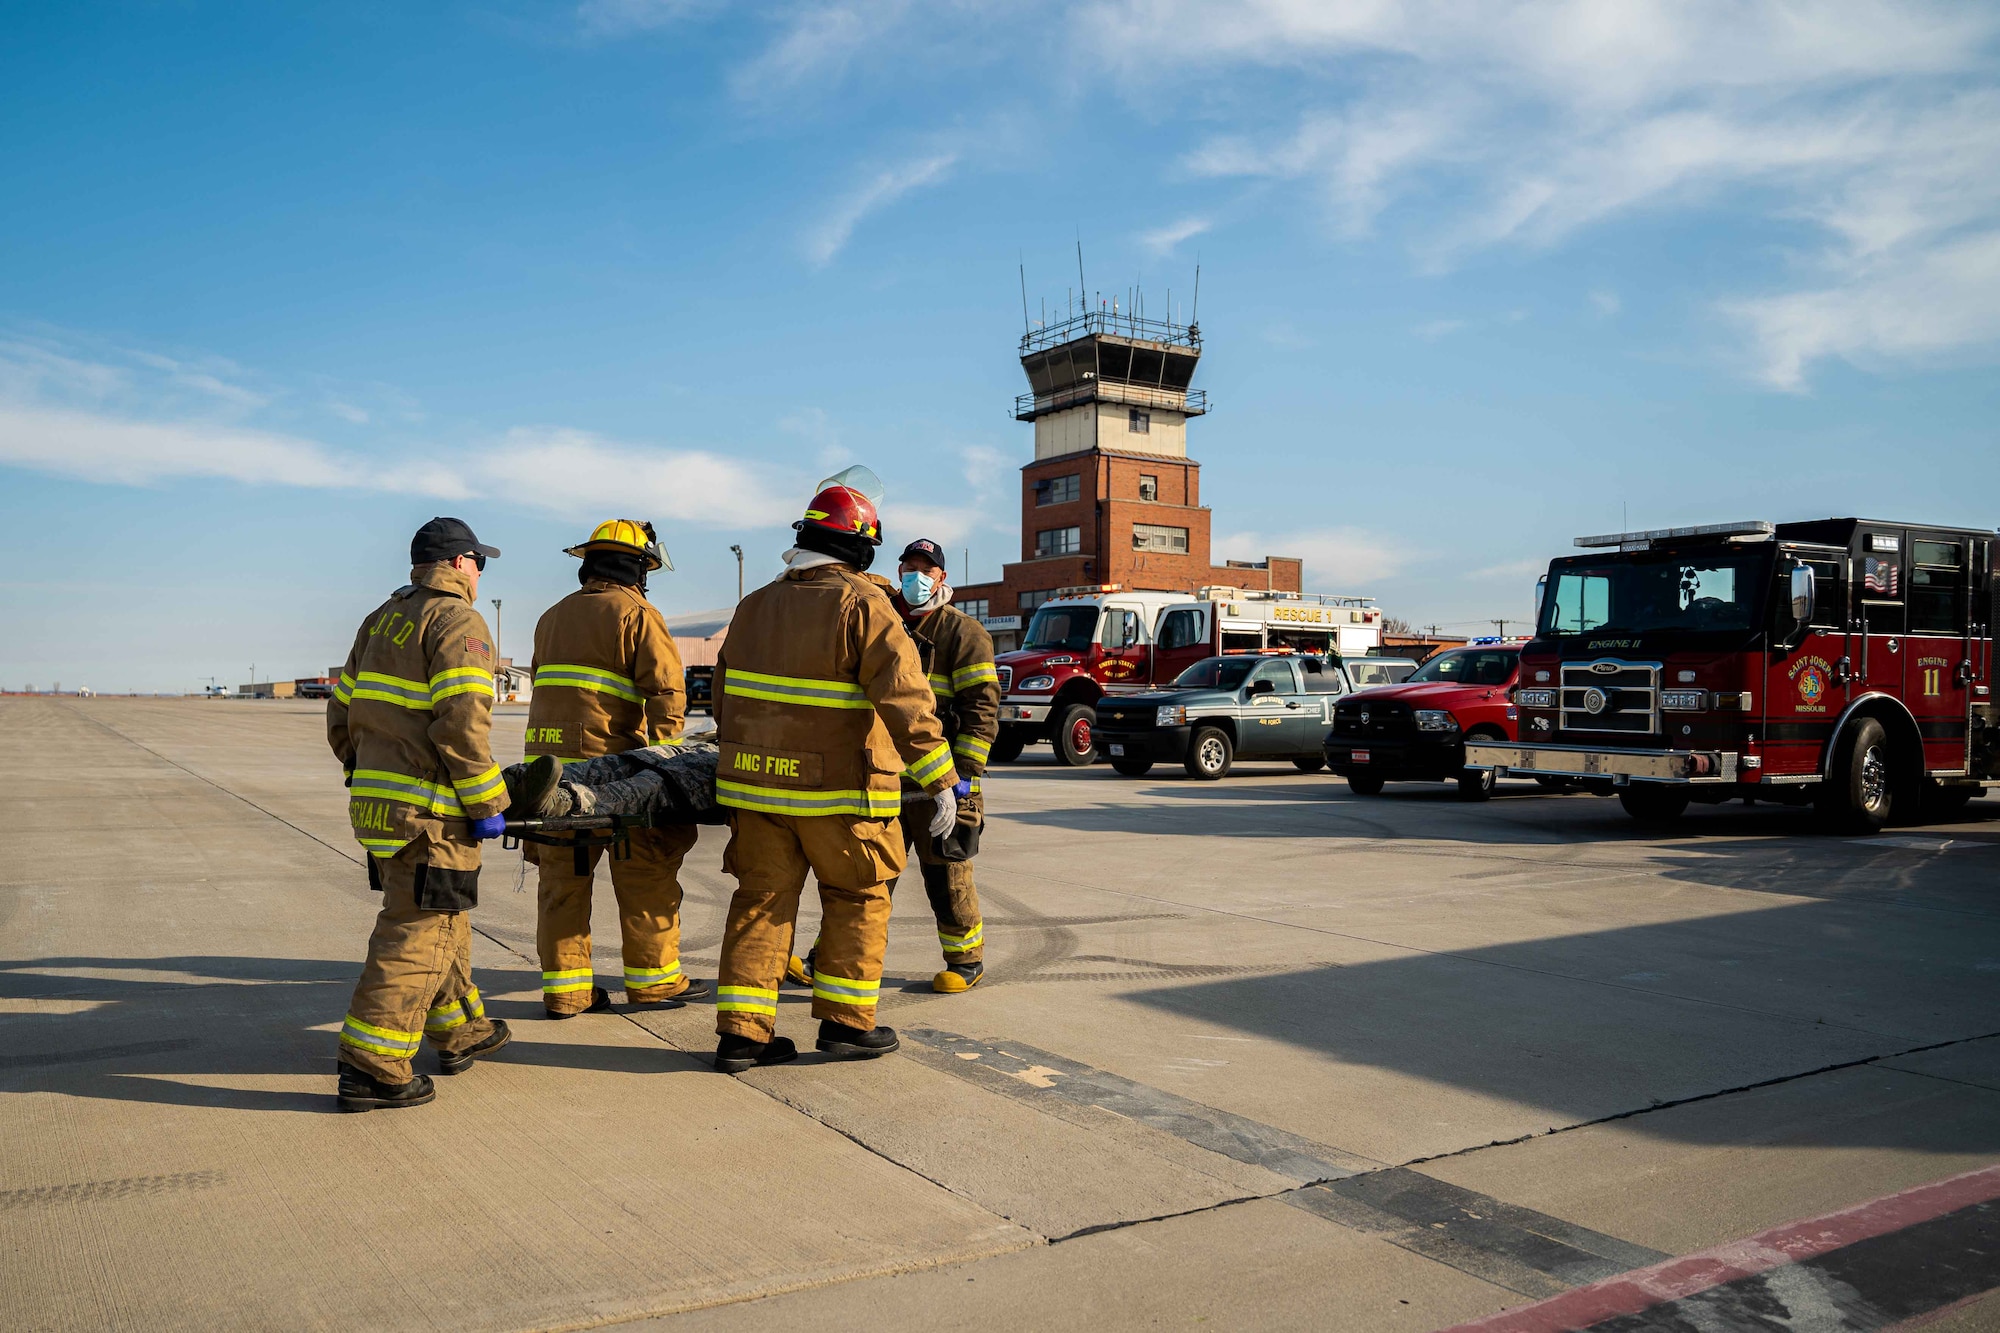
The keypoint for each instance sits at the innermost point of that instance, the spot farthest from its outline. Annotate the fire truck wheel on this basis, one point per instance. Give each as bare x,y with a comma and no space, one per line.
1859,795
1652,805
1209,754
1072,736
1309,763
1007,746
1362,785
1133,768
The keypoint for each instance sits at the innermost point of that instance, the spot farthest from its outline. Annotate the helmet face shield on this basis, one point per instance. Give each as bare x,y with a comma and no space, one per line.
858,479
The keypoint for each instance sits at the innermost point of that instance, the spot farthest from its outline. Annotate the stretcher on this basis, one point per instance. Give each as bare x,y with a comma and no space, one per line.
583,833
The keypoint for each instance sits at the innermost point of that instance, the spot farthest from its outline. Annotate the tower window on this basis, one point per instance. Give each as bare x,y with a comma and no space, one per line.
1153,537
1058,490
1139,423
1061,541
1149,487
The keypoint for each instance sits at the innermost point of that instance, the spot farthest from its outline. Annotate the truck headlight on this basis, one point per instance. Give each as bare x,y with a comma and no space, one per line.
1037,685
1170,715
1435,719
1684,701
1537,698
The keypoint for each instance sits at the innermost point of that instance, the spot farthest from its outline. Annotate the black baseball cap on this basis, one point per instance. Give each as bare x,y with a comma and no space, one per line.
926,548
447,539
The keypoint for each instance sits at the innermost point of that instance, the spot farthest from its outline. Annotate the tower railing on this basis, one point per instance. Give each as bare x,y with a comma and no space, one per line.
1193,402
1119,324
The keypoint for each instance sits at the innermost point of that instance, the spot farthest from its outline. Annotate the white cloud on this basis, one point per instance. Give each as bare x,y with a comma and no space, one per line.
1432,330
621,18
576,473
830,234
1606,302
1336,559
1162,240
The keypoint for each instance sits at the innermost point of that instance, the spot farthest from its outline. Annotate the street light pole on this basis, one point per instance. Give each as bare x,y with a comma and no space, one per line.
739,571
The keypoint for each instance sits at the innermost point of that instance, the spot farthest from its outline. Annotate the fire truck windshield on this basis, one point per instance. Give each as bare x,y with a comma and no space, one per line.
1069,628
1645,592
1216,673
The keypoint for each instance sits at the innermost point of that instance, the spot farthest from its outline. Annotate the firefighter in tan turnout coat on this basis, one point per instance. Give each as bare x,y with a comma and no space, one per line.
409,722
609,679
821,707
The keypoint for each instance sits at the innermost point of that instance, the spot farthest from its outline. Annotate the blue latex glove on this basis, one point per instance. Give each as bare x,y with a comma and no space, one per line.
963,789
490,827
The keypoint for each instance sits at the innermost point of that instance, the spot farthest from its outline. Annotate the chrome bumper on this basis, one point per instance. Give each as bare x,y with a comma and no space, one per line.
1013,712
1621,766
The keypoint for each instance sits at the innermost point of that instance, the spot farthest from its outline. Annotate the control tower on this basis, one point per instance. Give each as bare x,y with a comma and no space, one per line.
1111,496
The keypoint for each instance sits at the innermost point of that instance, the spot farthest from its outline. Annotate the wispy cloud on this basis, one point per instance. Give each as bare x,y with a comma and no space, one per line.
1162,240
1432,330
622,18
829,236
1343,559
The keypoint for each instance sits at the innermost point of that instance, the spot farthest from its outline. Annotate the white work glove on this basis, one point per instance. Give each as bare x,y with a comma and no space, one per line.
947,812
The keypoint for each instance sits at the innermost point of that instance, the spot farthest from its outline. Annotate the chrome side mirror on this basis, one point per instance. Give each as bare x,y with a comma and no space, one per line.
1541,593
1802,594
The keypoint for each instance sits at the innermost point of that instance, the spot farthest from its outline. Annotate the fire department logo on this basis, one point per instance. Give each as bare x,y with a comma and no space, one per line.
1116,668
1810,677
1812,685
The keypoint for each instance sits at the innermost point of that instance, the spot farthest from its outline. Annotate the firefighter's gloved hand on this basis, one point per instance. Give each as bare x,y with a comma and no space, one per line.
947,811
490,827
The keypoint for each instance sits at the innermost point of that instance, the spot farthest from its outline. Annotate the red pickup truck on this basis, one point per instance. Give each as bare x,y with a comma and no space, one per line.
1416,731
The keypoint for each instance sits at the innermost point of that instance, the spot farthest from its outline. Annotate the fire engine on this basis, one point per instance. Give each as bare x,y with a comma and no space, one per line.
1842,663
1086,642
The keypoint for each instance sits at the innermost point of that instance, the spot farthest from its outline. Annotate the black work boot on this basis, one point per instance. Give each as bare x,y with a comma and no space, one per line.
361,1091
734,1054
696,990
600,1003
845,1043
536,793
453,1062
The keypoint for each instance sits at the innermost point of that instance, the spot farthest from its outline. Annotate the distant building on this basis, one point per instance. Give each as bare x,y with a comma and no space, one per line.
1112,496
267,689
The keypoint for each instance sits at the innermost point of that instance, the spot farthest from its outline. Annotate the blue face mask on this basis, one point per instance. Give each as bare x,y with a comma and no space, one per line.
918,587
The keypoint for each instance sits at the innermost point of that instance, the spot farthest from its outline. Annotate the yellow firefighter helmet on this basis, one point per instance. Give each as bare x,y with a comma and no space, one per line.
628,535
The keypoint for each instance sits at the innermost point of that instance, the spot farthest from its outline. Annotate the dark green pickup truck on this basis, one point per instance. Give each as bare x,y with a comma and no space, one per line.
1223,709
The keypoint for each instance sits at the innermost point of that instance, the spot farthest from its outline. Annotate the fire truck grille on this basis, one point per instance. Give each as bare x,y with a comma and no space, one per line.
1006,679
1609,695
1372,720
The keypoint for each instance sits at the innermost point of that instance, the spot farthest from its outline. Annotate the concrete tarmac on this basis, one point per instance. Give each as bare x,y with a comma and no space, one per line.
1250,1054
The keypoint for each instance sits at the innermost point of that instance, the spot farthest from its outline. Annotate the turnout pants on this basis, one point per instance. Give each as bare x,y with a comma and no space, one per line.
954,897
647,884
855,861
417,981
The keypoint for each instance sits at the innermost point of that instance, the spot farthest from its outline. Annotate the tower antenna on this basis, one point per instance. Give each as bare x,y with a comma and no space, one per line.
1082,287
1194,311
1025,327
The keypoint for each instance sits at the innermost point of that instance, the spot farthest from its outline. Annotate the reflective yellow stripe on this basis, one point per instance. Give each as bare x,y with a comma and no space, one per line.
846,990
973,748
384,848
398,690
480,788
786,801
746,1000
383,1041
461,680
941,685
795,690
978,673
380,785
587,678
970,940
641,978
931,767
576,978
343,689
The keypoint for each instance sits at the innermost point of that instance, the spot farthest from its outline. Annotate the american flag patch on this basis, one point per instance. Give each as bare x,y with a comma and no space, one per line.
477,646
1879,576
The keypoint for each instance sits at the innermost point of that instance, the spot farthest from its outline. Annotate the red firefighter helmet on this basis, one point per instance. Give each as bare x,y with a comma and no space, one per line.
846,505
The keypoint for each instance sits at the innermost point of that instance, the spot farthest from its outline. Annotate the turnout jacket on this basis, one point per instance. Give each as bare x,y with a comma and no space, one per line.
821,705
608,677
957,656
411,715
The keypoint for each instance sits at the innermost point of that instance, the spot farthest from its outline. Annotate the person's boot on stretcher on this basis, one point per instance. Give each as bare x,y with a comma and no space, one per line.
666,784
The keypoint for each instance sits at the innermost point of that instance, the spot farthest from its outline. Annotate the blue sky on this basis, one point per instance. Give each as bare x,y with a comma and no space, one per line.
278,283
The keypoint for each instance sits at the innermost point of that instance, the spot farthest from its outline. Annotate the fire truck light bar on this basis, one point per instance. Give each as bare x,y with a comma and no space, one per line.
1631,539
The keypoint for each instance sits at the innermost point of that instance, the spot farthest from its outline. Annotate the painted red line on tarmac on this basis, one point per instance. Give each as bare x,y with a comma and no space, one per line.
1675,1279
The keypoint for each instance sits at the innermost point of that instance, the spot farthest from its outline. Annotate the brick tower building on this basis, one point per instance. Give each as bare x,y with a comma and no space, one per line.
1111,496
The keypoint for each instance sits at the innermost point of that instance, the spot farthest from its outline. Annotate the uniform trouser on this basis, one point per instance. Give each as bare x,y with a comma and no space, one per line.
417,981
954,897
855,861
647,884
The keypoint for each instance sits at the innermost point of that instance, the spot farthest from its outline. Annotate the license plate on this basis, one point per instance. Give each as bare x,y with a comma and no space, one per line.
1118,752
1359,757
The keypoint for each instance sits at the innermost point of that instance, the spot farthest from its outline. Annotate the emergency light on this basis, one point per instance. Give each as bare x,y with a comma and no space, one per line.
1753,530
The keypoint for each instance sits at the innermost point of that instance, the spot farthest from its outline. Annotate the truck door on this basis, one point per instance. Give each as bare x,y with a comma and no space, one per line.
1940,667
1804,690
1269,720
1124,661
1325,685
1181,641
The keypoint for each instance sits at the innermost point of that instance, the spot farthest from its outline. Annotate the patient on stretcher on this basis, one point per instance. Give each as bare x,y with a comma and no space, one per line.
667,784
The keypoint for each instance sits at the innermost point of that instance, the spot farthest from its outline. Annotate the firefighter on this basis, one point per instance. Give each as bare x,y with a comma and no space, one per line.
608,678
957,655
409,722
821,704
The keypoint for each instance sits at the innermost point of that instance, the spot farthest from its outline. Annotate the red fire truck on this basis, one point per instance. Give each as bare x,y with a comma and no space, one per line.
1089,641
1843,663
